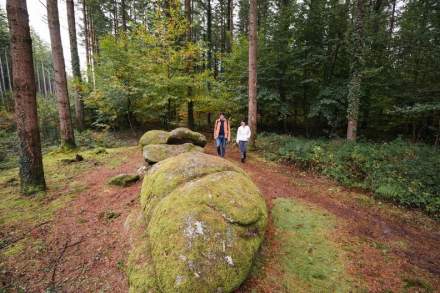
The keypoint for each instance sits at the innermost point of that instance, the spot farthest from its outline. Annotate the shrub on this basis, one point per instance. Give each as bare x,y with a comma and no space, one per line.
405,173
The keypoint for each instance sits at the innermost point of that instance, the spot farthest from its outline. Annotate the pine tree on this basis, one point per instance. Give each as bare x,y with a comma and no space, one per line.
252,103
24,92
66,129
79,104
354,87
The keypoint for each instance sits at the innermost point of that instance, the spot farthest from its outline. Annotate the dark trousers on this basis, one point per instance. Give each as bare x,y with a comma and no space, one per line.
221,145
243,148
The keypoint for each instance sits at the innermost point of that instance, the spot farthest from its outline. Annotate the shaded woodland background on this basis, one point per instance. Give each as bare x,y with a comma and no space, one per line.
137,72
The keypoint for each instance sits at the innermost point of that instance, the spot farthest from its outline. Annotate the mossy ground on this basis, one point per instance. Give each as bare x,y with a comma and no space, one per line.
313,260
303,256
19,214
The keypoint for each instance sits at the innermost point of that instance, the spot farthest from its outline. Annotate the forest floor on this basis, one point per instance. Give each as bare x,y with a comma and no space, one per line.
321,236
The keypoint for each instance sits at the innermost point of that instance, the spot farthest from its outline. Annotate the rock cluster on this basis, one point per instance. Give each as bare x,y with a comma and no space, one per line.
158,145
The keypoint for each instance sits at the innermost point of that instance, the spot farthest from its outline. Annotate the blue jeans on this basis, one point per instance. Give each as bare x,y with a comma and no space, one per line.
243,148
220,141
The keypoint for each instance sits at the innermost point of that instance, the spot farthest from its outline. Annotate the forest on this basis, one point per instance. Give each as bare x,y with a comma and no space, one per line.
340,182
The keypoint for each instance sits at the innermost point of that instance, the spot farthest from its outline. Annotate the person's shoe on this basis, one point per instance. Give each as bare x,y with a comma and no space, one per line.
242,160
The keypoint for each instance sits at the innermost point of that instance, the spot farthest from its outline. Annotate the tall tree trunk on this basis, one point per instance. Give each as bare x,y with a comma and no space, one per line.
209,32
66,129
86,37
354,87
76,69
189,65
392,20
115,17
229,24
189,20
252,107
24,92
124,16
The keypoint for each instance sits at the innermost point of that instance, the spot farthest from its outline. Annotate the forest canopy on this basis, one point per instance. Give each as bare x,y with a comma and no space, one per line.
144,69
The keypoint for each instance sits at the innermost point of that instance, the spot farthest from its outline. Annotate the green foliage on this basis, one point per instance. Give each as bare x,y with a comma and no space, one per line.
405,173
143,75
48,120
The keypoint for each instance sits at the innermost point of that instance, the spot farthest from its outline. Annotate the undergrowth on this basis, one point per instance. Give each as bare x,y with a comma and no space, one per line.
404,173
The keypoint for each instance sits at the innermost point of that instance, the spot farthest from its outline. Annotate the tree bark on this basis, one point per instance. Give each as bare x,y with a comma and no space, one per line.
392,20
354,87
209,33
229,24
24,92
252,107
66,129
124,16
76,69
190,106
189,20
86,37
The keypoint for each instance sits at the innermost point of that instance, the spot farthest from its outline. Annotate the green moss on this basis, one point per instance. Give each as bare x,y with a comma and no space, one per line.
15,248
205,219
24,212
309,261
184,135
154,153
154,137
166,175
418,284
124,179
139,268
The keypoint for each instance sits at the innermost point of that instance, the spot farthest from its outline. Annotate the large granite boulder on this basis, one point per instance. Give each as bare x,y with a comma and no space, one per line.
184,135
154,137
154,153
202,223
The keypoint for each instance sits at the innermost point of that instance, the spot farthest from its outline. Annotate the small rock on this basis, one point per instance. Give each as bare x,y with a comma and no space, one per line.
78,158
124,180
109,215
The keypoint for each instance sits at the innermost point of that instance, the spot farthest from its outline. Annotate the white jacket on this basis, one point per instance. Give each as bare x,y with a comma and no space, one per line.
243,133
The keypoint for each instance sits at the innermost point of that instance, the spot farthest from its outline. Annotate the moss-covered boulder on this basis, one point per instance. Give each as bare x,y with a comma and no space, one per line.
183,135
204,222
124,179
154,153
154,137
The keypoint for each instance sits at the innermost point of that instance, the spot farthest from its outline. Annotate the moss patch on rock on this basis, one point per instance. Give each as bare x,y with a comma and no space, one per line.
154,153
205,221
124,179
184,135
154,137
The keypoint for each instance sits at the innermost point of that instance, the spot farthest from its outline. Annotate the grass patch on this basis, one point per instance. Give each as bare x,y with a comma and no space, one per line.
308,260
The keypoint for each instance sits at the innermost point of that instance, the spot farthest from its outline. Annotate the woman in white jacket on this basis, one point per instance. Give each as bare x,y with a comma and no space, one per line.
243,135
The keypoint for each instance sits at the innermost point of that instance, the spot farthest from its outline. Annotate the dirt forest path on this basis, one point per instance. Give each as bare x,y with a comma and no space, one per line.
86,247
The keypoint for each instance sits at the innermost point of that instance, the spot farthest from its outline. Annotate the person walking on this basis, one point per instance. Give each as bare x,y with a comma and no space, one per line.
243,135
222,134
